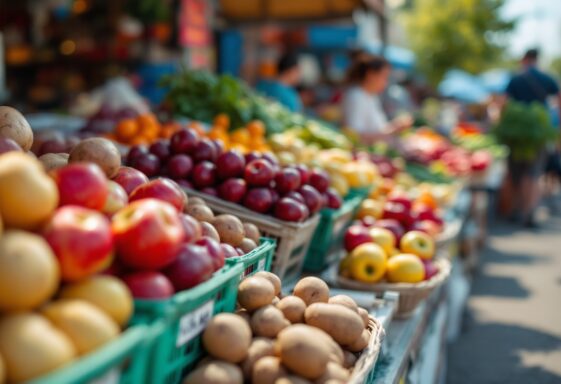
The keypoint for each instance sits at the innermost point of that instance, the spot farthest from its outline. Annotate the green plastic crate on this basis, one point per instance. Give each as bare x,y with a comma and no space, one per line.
120,361
328,237
177,345
259,259
362,192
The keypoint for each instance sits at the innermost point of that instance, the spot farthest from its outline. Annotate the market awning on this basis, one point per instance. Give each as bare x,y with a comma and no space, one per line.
400,58
462,86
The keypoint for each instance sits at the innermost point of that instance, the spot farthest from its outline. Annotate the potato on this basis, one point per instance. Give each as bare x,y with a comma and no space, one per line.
292,379
100,151
341,323
274,302
293,308
312,290
268,321
251,231
227,329
361,342
244,314
350,359
195,201
255,292
302,352
365,316
334,372
260,347
200,212
52,161
267,370
247,245
230,229
345,301
14,126
274,279
216,372
208,230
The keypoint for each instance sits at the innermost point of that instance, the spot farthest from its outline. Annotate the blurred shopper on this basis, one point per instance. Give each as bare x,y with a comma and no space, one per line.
283,87
529,86
362,108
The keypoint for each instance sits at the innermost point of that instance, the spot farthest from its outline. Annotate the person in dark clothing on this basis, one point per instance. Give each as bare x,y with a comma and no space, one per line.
529,86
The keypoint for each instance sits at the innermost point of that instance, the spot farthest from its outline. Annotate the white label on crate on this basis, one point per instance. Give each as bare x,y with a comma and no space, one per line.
191,324
261,265
111,377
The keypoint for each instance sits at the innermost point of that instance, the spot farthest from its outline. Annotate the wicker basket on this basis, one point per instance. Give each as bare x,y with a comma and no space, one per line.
293,239
410,295
363,371
447,236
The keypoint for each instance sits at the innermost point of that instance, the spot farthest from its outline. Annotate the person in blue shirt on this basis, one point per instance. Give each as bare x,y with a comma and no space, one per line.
529,86
283,87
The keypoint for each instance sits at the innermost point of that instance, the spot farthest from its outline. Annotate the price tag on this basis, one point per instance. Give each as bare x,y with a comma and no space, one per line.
191,324
261,265
111,377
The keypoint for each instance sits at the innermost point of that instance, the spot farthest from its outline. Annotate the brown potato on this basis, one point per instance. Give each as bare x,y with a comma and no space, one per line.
227,329
200,212
292,379
361,342
274,279
230,229
208,230
302,351
196,201
266,370
349,360
293,308
341,323
52,161
251,231
312,290
100,151
334,372
268,321
14,126
275,300
345,301
255,292
365,316
260,347
247,245
215,372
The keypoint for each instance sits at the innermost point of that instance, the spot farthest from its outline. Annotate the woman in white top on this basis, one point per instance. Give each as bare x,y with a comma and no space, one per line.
362,109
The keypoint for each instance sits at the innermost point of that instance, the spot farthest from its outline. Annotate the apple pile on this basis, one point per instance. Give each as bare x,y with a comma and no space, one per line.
254,180
307,336
375,252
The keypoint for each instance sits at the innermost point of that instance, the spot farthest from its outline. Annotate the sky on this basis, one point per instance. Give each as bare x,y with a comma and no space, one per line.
539,26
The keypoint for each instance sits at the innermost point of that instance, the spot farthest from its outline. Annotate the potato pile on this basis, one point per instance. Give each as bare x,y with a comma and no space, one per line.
306,337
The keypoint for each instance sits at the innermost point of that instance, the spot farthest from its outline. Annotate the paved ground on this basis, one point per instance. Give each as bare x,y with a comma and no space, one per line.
512,328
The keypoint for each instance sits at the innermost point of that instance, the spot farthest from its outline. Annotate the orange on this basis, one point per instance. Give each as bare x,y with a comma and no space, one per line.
427,199
222,120
256,128
241,136
139,140
197,127
216,133
126,129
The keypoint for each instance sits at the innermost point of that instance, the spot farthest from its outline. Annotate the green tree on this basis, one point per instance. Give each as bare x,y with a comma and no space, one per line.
463,34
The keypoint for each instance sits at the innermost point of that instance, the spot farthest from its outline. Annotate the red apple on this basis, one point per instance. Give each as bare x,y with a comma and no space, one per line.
250,156
184,141
81,240
334,201
204,151
400,198
161,149
481,160
233,190
271,158
210,191
7,145
275,195
135,152
56,144
179,166
218,147
228,250
399,212
312,197
148,285
162,189
368,221
184,183
287,180
204,175
289,210
230,164
427,226
304,173
319,180
81,184
356,235
259,173
191,227
129,178
192,266
393,225
259,200
214,250
296,196
148,163
116,199
148,234
430,269
423,212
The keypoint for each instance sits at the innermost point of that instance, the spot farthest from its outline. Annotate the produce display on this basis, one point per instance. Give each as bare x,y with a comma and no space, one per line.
303,337
255,180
